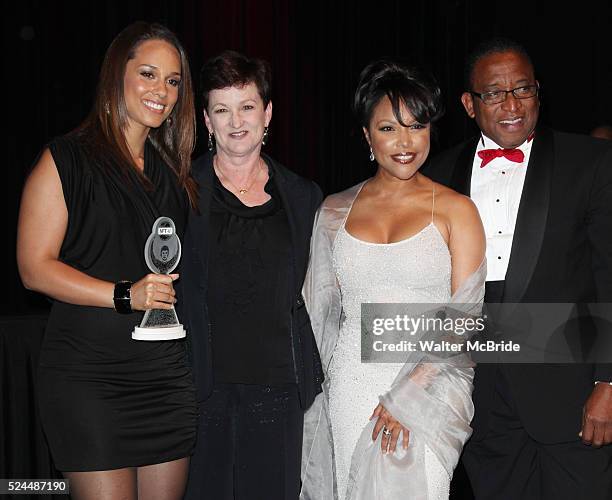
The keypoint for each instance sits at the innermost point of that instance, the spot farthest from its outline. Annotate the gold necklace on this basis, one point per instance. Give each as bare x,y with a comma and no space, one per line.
243,190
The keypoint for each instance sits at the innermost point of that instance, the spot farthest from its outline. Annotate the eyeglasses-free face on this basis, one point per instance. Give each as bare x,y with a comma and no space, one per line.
399,150
505,116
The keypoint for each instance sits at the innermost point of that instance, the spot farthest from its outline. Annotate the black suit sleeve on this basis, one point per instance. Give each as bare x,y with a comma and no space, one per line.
440,167
599,224
317,196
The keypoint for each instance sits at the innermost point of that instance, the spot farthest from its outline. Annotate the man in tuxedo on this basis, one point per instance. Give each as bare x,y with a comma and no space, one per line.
541,431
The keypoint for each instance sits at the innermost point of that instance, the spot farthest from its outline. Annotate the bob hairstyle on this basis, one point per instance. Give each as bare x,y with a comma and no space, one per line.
401,83
233,69
105,126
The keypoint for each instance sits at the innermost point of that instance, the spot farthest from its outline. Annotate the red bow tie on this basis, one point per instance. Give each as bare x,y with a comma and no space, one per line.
487,155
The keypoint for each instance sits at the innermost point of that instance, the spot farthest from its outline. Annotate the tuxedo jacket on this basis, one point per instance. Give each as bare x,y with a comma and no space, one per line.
561,252
300,199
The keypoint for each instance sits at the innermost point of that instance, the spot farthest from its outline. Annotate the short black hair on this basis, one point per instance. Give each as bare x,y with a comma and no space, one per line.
233,69
401,83
494,45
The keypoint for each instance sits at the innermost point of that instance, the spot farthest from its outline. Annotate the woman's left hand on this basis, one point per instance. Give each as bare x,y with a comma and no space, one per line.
389,439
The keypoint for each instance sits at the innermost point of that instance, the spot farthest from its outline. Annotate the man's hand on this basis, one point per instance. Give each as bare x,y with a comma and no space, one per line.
597,416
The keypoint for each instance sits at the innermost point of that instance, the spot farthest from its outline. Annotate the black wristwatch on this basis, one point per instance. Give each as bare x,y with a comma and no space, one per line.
122,297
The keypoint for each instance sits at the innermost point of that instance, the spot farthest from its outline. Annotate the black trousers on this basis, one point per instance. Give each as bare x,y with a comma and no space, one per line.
506,463
249,444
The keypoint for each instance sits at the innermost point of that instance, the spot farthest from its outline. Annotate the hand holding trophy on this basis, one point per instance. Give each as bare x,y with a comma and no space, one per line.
162,254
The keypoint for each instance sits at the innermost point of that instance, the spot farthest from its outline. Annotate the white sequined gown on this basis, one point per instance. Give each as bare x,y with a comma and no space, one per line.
414,270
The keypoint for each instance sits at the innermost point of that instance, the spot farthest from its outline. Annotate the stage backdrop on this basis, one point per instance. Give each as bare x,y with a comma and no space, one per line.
53,52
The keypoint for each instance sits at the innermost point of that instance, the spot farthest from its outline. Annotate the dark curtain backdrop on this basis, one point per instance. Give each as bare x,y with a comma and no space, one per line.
23,448
53,51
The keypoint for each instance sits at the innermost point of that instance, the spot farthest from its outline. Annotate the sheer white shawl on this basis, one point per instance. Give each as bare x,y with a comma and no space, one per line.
432,400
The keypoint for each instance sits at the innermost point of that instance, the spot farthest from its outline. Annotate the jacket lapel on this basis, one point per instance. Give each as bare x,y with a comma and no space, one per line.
531,218
200,221
291,199
461,178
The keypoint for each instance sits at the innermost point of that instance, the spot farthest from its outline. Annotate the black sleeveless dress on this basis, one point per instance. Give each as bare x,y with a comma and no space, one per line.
107,401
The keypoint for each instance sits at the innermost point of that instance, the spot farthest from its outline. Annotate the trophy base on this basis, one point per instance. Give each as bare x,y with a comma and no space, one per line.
163,333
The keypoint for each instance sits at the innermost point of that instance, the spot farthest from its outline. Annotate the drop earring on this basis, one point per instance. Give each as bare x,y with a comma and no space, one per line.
264,139
372,157
211,146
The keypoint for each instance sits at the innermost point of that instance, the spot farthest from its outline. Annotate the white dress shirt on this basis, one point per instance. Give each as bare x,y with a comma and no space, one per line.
496,190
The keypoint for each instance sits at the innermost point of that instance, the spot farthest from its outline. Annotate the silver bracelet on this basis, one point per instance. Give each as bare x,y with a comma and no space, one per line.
602,382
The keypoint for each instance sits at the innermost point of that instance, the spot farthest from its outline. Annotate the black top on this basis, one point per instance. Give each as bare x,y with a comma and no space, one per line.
300,199
249,289
109,220
107,401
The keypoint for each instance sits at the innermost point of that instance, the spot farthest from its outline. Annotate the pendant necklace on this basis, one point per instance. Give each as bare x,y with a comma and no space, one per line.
241,190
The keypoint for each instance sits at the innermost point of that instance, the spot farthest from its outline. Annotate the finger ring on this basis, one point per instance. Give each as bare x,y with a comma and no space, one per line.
386,431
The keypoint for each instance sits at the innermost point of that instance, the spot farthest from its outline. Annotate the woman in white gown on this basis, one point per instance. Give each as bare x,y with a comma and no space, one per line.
388,430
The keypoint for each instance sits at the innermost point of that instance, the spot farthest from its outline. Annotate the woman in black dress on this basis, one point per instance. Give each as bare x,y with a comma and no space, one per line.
119,414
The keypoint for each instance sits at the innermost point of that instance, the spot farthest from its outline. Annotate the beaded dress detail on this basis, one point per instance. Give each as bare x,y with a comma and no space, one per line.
413,270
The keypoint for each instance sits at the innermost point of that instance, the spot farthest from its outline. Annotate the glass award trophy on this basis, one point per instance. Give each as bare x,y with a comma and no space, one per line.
162,254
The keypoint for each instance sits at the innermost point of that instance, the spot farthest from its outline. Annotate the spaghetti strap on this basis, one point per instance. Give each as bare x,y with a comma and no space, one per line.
433,200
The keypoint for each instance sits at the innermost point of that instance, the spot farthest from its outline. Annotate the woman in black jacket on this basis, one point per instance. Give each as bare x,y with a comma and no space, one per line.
254,358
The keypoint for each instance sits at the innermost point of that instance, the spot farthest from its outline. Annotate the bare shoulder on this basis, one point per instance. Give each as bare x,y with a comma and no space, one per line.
341,199
44,166
453,205
44,179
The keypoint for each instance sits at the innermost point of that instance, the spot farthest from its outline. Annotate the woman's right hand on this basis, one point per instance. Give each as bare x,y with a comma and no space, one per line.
153,291
386,422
